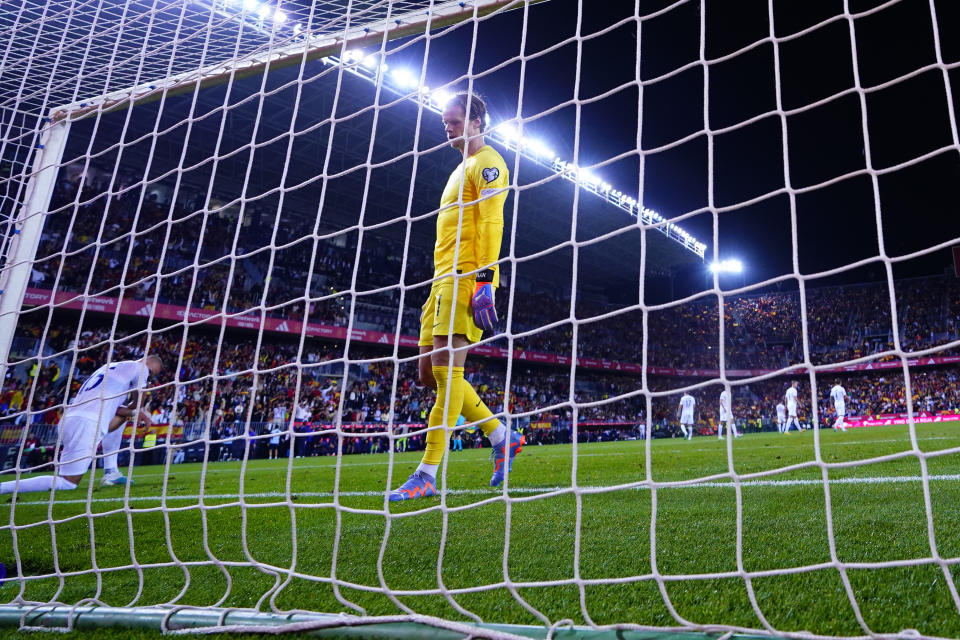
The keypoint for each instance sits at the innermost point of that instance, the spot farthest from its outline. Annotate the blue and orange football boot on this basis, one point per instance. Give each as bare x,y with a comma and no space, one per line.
418,485
516,442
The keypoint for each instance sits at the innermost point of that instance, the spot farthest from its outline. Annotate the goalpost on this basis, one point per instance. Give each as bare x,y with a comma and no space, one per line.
92,89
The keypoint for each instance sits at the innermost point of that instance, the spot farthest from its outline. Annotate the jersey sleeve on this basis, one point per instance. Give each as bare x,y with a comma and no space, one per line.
133,373
491,180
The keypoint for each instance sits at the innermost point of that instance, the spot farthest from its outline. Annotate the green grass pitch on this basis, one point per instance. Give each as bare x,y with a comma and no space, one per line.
242,555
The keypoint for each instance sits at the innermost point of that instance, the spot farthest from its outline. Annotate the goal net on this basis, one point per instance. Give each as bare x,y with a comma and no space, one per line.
700,201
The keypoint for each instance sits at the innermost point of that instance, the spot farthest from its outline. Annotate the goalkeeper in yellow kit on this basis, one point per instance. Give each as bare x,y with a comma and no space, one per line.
460,306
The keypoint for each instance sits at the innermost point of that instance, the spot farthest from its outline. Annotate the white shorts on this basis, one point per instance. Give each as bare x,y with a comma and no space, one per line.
725,417
792,411
686,418
781,419
841,409
79,438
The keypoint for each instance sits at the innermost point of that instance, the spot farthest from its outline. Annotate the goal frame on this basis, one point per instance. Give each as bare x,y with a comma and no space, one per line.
27,225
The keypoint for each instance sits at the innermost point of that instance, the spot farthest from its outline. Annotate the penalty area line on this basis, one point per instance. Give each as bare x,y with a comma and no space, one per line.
513,490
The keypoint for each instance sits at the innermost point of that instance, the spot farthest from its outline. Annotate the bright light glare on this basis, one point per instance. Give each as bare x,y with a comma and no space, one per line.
370,62
588,176
441,97
297,28
279,17
541,150
263,12
250,5
727,266
403,78
508,131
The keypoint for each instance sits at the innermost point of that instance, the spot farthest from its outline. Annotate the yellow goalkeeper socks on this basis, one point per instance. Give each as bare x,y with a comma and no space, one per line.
474,410
444,413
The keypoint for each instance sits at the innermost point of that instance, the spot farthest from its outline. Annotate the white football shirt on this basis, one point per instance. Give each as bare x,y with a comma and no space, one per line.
837,394
781,411
105,390
687,403
724,403
792,396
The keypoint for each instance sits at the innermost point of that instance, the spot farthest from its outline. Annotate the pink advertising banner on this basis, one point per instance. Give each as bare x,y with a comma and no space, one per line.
901,418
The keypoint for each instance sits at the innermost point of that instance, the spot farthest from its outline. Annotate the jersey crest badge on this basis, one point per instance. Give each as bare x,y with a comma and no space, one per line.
490,174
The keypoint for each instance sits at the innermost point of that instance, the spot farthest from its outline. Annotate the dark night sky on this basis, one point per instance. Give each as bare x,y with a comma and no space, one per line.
836,224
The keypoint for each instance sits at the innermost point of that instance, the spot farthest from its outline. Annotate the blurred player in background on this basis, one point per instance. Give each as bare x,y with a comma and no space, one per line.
685,412
839,396
726,416
95,412
792,406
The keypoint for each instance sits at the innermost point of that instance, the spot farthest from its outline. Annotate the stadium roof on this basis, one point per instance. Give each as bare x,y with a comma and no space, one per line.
66,52
544,202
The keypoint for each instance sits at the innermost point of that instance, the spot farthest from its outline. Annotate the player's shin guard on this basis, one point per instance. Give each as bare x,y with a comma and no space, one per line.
474,410
444,413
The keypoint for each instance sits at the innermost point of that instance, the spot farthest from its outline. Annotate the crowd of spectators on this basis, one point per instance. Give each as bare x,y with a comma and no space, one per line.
148,246
216,256
222,388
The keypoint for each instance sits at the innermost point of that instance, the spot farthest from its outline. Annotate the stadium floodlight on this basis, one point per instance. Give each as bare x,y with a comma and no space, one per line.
279,16
540,149
508,131
263,12
726,266
250,5
441,97
404,79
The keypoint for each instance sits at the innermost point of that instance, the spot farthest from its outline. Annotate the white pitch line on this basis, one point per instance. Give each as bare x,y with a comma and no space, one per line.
515,490
742,446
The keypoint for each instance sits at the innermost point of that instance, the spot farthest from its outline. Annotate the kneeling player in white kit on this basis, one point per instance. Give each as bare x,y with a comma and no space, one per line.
87,421
839,397
781,416
687,404
791,398
726,416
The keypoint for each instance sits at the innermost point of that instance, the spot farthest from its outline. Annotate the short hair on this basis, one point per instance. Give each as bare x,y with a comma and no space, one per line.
154,356
478,108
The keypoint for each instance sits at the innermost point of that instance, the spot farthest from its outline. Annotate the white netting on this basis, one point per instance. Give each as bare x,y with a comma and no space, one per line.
250,190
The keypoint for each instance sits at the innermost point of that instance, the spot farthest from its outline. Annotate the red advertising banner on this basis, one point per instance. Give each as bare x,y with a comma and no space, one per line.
253,320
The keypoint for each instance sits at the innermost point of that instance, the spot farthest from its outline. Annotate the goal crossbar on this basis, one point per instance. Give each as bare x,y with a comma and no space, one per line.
313,47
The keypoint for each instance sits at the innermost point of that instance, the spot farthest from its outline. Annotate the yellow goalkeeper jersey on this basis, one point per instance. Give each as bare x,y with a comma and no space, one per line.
484,192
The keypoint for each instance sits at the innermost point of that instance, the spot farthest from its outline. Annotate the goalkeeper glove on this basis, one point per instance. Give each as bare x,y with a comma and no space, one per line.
484,313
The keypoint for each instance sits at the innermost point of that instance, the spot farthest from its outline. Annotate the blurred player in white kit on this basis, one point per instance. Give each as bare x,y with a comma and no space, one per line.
687,405
94,417
839,396
792,403
726,416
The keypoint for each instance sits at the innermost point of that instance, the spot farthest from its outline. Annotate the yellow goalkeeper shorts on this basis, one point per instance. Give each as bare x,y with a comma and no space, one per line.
438,309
